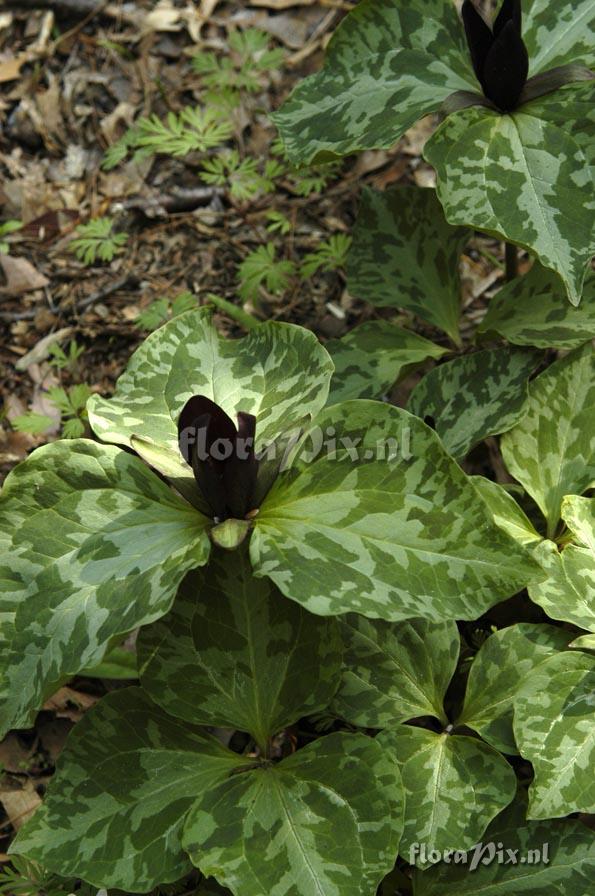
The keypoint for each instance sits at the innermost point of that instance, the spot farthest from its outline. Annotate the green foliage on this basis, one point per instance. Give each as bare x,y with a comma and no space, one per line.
6,228
163,309
250,57
242,176
97,240
411,58
262,268
278,222
382,715
329,256
70,402
66,360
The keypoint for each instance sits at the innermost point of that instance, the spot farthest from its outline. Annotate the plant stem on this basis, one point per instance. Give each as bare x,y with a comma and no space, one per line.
245,320
512,261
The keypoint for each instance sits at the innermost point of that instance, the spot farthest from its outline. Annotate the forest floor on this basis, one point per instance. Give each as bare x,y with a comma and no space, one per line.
74,76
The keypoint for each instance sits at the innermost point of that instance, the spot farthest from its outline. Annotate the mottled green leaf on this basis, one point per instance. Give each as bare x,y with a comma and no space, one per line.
102,547
324,822
474,396
551,858
532,310
405,255
584,642
523,178
553,727
551,451
393,673
454,786
279,372
387,525
558,33
387,65
579,515
498,670
235,653
373,356
505,511
568,592
115,809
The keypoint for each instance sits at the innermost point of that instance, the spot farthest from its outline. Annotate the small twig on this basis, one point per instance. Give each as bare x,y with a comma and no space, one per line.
183,200
100,294
512,261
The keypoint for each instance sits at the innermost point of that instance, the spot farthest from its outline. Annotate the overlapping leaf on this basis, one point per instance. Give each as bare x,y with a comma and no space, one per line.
474,396
505,511
235,653
101,548
498,670
523,178
387,525
399,56
553,727
551,451
454,786
279,373
532,310
373,356
393,673
551,857
405,255
325,821
115,810
568,591
558,33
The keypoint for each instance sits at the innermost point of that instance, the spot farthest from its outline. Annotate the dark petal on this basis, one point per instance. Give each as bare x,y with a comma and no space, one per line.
479,38
242,468
207,471
509,11
506,69
195,407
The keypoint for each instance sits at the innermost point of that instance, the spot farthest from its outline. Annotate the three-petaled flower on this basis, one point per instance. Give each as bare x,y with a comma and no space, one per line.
222,456
499,56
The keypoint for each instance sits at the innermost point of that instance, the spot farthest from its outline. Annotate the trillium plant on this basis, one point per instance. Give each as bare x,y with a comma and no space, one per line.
361,667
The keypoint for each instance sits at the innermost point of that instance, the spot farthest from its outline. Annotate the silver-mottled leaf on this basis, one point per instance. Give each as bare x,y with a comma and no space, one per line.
524,178
545,858
551,451
532,310
101,549
324,822
393,673
498,670
553,727
405,255
384,524
454,786
115,809
474,396
387,65
373,356
234,653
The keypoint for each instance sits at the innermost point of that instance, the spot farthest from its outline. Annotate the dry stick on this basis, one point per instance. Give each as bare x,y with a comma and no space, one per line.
68,7
512,261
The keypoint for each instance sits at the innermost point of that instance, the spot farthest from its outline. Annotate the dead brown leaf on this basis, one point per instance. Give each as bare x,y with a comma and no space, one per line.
10,68
20,804
20,275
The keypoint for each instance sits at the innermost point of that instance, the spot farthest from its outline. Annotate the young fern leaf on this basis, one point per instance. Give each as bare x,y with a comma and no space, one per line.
97,241
191,130
330,255
262,268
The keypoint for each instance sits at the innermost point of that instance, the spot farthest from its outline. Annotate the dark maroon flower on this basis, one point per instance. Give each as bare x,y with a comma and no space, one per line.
499,56
222,455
